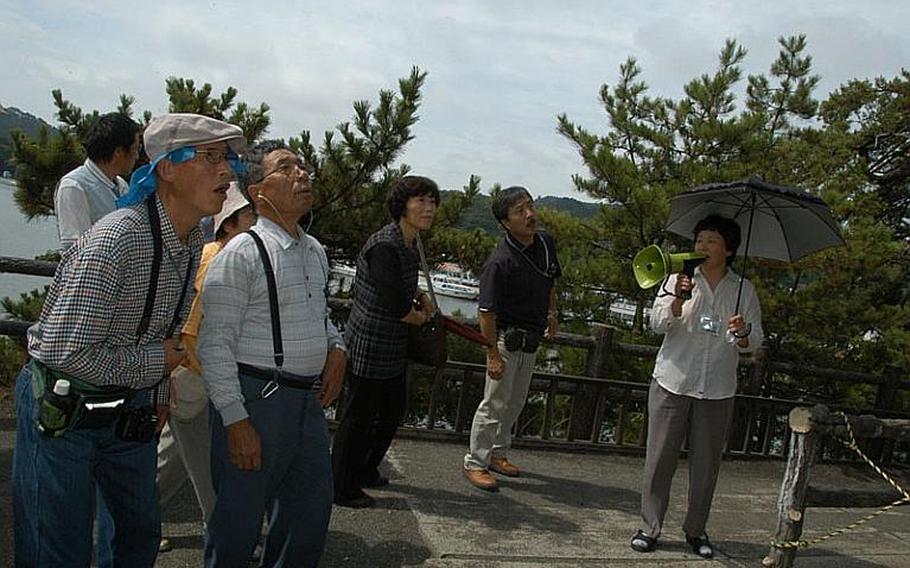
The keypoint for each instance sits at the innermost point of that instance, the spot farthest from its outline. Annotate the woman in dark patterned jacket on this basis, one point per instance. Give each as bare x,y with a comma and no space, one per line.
386,301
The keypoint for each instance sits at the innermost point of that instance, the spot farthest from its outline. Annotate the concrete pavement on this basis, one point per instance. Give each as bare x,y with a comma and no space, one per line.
565,510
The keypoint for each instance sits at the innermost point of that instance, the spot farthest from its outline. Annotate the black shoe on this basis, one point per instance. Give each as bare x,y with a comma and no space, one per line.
378,481
362,501
701,546
642,542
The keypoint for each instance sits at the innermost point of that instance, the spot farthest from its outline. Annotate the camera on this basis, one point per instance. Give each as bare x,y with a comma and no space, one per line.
137,424
517,339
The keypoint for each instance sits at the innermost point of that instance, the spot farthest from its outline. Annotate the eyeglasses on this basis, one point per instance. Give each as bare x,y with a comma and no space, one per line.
212,156
288,168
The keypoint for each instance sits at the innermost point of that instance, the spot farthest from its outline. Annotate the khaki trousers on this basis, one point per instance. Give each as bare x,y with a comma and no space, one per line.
184,452
491,430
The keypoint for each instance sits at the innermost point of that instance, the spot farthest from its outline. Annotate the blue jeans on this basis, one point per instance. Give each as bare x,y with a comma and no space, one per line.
54,484
293,488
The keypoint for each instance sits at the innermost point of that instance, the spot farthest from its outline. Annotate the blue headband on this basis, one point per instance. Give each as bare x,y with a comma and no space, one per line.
143,181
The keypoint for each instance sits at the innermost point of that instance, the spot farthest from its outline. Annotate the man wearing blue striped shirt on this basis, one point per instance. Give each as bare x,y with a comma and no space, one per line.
269,373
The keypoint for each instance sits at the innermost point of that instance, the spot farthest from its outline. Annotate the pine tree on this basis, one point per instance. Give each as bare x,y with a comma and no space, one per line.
355,167
845,306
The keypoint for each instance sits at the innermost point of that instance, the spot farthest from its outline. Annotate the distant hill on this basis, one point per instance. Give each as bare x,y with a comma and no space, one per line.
480,217
11,119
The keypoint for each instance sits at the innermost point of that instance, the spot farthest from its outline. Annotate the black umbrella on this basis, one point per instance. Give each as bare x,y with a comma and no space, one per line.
781,223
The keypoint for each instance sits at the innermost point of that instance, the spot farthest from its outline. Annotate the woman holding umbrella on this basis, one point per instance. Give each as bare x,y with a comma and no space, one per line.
386,301
695,380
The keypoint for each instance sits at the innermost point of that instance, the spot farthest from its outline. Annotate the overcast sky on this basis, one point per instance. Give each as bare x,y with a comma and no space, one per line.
499,72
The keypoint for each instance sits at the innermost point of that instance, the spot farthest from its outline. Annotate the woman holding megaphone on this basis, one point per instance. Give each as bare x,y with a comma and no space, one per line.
695,380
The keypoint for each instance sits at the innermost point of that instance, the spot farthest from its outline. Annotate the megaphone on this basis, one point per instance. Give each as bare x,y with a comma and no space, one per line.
652,264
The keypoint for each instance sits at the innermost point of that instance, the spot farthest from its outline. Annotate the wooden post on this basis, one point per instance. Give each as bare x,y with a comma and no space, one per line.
756,374
791,504
462,410
435,387
549,408
744,416
886,399
585,405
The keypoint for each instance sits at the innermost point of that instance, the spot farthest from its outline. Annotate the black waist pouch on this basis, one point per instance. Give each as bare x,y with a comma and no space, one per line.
517,339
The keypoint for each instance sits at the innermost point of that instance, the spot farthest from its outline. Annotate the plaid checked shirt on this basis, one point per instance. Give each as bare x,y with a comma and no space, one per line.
87,327
377,339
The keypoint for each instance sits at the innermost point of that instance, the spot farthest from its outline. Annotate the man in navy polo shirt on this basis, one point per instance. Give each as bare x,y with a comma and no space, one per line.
517,309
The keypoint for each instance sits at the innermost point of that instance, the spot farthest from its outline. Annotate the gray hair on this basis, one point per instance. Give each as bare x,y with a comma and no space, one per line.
252,163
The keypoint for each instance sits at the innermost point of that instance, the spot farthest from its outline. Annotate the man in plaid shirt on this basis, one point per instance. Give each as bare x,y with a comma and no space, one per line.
97,333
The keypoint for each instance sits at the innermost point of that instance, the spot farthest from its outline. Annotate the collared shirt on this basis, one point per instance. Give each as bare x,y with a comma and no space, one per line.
236,319
695,358
517,292
88,323
83,196
190,331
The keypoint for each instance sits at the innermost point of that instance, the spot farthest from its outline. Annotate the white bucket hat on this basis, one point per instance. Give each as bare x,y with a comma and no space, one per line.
234,202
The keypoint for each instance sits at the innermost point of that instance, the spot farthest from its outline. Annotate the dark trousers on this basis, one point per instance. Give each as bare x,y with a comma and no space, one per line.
293,487
55,481
373,411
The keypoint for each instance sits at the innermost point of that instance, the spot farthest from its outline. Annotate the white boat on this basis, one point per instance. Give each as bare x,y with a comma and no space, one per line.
451,280
446,287
344,270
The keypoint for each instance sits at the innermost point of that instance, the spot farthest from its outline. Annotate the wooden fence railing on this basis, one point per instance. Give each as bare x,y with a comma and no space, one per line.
809,427
594,411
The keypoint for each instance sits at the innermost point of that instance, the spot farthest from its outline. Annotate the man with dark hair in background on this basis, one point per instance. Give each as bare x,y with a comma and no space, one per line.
517,309
90,191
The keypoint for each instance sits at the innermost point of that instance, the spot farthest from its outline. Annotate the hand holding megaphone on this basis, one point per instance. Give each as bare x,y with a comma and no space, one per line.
684,285
652,265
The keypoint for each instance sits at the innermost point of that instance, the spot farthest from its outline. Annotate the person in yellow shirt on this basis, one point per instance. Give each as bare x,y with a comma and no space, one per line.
183,449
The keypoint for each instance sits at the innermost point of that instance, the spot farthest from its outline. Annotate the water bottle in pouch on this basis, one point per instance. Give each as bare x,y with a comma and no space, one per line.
57,407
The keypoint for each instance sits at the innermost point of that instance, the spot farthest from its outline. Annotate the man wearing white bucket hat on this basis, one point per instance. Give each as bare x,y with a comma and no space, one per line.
91,398
185,444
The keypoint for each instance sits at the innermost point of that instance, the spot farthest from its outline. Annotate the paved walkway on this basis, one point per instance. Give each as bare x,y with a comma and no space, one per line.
565,510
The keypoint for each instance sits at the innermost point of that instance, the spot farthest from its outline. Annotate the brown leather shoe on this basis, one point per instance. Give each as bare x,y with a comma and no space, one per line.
481,479
503,467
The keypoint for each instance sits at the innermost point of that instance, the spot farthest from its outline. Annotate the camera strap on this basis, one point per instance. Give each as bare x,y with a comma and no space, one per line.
545,271
158,247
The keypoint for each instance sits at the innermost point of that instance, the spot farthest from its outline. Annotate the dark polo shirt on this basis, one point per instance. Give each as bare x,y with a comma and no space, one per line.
513,289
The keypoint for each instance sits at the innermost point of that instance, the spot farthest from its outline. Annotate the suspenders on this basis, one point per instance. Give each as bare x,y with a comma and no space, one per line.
273,299
277,345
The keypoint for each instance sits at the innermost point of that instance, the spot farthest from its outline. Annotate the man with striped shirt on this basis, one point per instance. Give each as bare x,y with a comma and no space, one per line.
269,370
105,329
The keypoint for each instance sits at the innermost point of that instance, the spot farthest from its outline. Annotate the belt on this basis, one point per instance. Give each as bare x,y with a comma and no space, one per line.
90,392
283,378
